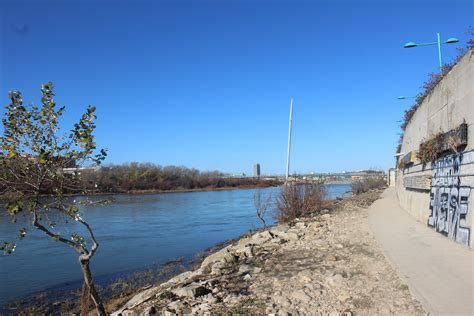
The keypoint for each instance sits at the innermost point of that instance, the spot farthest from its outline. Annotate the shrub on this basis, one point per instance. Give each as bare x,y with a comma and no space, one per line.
427,151
298,200
442,142
364,185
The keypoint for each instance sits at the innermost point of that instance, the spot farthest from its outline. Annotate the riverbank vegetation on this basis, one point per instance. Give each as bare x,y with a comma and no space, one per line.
299,200
366,184
148,177
138,178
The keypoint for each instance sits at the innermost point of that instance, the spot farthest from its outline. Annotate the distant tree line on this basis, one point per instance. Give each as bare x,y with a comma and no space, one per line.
135,177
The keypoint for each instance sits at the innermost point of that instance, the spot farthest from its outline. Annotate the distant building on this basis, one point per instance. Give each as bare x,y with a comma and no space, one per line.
256,170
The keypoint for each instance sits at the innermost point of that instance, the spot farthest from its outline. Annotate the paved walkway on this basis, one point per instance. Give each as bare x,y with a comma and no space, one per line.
439,272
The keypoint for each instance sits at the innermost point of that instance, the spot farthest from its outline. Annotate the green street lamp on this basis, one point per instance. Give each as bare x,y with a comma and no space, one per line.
402,97
450,40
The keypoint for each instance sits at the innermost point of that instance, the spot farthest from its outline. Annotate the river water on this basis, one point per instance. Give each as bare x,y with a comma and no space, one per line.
135,231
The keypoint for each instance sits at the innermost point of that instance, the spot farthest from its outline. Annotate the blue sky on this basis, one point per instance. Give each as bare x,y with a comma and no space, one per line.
207,84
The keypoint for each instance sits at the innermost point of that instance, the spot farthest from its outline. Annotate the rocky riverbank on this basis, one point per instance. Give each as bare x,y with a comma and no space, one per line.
328,263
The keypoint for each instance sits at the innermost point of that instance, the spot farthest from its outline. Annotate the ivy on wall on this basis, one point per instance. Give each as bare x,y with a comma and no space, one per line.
442,142
452,141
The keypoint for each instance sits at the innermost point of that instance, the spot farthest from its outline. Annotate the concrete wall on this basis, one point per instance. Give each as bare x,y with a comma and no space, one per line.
391,177
439,193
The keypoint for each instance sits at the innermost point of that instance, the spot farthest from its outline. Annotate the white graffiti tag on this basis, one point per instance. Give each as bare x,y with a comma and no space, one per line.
449,199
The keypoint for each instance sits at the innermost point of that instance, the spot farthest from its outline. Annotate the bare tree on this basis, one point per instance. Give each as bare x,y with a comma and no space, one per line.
262,203
33,159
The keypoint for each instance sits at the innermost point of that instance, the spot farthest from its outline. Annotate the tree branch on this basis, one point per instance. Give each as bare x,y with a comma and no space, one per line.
95,244
78,247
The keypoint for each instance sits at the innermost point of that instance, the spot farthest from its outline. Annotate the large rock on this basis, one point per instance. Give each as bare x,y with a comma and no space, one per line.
244,269
192,290
184,278
243,242
292,236
326,216
180,278
209,299
305,276
281,301
217,267
316,226
286,233
300,225
280,229
261,238
175,306
334,280
243,250
223,255
201,309
302,296
137,300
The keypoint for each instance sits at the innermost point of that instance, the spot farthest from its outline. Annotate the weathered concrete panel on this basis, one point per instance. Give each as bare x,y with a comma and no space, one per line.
417,183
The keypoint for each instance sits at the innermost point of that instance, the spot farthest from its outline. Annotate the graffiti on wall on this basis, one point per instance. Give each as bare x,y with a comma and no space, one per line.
449,199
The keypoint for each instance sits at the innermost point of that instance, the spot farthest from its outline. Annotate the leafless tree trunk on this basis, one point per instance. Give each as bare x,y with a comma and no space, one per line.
262,204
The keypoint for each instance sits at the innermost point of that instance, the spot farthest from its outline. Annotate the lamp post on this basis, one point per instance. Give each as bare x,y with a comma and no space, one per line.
450,40
289,141
402,97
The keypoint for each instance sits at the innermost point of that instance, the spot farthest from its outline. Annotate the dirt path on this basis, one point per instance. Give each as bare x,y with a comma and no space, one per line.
329,264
